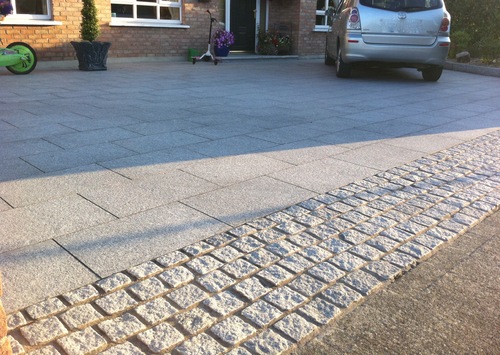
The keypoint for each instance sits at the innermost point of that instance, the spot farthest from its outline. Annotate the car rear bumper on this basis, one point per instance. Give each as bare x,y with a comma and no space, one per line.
356,50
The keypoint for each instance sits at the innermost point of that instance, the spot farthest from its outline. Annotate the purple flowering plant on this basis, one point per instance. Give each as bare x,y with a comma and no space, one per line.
223,38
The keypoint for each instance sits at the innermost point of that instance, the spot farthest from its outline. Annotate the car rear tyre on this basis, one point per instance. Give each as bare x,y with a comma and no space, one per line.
432,73
328,60
343,69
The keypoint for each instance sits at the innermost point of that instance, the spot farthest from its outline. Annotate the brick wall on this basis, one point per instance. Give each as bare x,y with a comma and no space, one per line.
53,42
4,343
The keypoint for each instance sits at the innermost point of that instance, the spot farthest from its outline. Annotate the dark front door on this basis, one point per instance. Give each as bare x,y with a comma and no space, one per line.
243,24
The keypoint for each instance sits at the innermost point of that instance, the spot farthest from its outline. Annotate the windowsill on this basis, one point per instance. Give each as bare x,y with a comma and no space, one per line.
321,29
135,23
27,22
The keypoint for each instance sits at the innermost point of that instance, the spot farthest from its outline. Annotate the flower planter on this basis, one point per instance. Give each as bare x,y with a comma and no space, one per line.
221,51
92,56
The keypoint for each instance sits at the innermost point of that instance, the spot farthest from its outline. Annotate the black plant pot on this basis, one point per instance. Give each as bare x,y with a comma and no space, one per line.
91,56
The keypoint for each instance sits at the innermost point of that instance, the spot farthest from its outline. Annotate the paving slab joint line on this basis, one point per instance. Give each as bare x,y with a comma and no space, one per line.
271,283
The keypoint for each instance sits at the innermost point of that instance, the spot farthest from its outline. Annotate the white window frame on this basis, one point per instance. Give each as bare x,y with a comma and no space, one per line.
321,28
143,22
30,19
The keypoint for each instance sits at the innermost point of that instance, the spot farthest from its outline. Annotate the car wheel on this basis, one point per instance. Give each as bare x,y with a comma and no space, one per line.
328,60
343,69
432,73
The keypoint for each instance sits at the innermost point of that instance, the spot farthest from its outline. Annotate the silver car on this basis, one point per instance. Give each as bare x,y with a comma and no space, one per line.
399,33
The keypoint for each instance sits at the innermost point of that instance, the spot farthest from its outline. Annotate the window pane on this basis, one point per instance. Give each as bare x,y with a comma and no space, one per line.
122,10
31,7
320,4
320,20
170,13
146,12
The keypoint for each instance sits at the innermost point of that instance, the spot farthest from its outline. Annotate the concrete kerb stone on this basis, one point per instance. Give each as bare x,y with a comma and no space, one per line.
301,275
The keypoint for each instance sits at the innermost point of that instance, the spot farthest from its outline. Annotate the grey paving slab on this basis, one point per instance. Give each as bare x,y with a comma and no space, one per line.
159,141
43,187
260,196
45,261
16,168
130,197
369,156
18,134
158,162
22,148
231,146
81,139
117,245
324,175
53,161
233,169
302,152
48,220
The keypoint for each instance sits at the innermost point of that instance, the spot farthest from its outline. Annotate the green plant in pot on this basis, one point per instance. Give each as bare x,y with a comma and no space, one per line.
92,55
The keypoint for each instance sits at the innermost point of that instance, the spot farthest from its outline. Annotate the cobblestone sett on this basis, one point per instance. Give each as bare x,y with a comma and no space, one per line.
220,239
187,296
161,338
383,243
366,252
197,249
243,230
123,349
341,295
276,275
121,328
45,308
252,288
224,303
295,326
268,342
362,282
323,232
269,235
155,311
261,313
116,302
240,268
226,254
195,320
383,270
307,285
177,276
145,270
216,281
416,250
282,248
296,263
296,211
262,257
308,220
202,344
303,239
315,253
320,311
82,342
80,316
285,298
400,259
148,289
347,261
43,331
15,320
233,330
290,227
114,282
16,347
247,244
335,245
354,236
204,264
326,272
428,241
80,295
172,259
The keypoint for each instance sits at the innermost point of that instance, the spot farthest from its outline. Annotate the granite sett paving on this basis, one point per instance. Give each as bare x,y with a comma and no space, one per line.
159,245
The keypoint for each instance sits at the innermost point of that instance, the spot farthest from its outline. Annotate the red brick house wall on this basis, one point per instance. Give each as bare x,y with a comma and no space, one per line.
52,42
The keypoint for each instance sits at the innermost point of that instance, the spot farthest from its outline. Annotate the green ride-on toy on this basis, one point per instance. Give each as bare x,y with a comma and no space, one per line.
18,58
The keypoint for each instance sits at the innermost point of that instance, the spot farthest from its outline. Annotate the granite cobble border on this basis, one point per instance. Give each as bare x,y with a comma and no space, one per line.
270,284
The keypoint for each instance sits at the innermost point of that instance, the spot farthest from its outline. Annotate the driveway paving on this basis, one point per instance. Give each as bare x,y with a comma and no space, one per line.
344,184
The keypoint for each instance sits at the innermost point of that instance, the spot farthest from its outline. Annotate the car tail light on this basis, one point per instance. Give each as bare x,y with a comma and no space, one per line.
354,22
445,24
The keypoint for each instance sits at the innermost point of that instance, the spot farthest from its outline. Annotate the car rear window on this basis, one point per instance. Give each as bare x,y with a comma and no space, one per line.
403,5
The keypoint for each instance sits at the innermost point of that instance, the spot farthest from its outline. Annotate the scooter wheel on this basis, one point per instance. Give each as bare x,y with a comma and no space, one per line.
194,60
24,66
216,62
